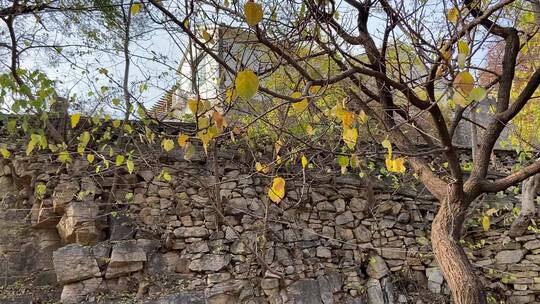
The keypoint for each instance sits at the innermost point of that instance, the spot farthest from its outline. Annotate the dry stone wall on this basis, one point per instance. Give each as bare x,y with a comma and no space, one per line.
130,238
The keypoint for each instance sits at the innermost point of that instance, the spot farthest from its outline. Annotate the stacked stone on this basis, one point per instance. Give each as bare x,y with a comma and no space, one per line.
324,243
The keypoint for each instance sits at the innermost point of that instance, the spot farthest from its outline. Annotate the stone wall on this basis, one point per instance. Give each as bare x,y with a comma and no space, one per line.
129,238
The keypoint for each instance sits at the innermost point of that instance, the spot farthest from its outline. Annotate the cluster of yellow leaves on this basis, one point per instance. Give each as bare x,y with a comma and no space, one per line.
299,106
348,119
465,91
486,221
263,168
393,164
207,131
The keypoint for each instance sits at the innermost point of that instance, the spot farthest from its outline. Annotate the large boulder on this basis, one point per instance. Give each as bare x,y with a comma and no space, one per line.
63,194
210,262
126,257
78,292
73,263
377,267
78,225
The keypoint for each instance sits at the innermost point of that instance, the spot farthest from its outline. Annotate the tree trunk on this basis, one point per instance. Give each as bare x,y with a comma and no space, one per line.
458,272
528,207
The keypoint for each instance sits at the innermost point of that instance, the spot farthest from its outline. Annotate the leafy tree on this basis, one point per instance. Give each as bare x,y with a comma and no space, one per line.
446,38
521,130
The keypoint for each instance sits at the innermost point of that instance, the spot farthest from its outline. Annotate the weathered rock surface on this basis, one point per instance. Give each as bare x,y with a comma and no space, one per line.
73,263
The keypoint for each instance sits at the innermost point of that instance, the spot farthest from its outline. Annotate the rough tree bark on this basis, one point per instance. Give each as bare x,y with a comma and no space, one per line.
528,207
459,273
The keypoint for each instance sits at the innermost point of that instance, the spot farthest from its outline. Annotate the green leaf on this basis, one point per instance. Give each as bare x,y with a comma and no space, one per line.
34,140
119,160
130,166
477,94
5,152
343,162
167,144
190,151
246,84
90,158
41,189
64,157
85,138
166,176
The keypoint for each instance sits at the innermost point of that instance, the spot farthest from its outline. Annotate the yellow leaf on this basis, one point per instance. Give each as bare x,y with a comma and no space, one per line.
278,159
300,106
167,144
305,161
203,122
206,36
253,13
75,119
116,123
277,145
314,89
262,168
453,15
135,8
277,192
5,152
464,81
362,117
446,52
130,166
350,136
461,59
463,47
246,84
119,160
182,140
460,99
194,105
90,158
230,95
347,119
205,137
309,130
486,223
395,165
